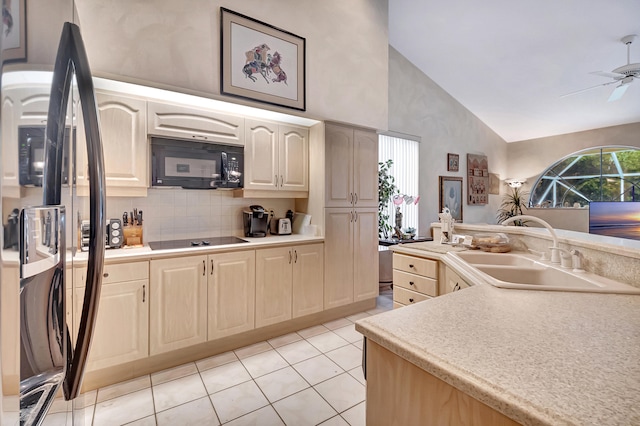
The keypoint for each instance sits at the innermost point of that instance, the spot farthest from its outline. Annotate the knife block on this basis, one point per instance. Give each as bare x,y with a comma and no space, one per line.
132,235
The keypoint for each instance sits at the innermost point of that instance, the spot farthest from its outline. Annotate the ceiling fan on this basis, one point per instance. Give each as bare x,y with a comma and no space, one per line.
623,75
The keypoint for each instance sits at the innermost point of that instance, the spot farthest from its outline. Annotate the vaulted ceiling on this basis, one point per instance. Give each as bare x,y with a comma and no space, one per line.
509,62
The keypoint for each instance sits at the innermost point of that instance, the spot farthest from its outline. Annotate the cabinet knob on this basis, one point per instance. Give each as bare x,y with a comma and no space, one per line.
411,266
411,299
410,282
105,275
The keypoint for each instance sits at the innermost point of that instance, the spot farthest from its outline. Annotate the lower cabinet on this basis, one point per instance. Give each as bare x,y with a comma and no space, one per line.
178,309
231,293
452,282
121,332
289,283
414,279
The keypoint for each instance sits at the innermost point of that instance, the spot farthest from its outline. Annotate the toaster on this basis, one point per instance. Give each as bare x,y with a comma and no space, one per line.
283,226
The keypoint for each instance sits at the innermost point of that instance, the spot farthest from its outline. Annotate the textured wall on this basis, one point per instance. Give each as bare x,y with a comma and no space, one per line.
420,107
177,44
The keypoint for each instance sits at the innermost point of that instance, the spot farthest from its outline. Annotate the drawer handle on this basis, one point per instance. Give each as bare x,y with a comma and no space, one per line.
411,300
105,275
411,266
411,283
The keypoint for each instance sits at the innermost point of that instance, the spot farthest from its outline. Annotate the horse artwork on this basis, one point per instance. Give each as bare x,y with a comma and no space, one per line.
260,61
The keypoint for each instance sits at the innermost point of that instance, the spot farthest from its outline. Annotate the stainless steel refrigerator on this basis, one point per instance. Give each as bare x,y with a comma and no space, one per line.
51,359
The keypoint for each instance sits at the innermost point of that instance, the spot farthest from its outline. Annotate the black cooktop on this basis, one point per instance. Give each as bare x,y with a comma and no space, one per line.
194,242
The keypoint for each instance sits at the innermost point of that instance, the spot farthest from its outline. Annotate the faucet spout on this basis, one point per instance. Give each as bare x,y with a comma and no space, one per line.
555,255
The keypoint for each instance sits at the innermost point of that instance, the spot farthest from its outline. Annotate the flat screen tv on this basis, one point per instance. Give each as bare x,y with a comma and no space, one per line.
615,219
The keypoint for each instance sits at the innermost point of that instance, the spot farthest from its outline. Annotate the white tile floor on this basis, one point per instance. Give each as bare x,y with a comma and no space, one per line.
309,377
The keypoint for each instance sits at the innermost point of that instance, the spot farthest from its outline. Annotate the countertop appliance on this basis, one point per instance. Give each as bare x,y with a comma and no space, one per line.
283,226
47,360
196,165
195,242
256,221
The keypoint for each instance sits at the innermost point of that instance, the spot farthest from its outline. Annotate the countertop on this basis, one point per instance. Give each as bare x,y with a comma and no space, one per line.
145,253
541,358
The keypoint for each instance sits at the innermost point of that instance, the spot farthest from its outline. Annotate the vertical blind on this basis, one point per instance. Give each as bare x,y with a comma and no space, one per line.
404,153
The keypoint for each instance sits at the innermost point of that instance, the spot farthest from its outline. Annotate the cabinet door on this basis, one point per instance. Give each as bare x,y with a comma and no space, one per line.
293,158
184,122
121,331
124,143
365,258
231,293
9,320
365,168
339,166
453,282
261,155
338,255
273,285
178,308
308,279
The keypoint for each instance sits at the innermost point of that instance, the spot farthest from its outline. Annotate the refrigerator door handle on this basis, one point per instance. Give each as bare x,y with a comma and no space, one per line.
72,59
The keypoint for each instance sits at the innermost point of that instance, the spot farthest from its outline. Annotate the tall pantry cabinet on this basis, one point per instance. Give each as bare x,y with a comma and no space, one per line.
351,215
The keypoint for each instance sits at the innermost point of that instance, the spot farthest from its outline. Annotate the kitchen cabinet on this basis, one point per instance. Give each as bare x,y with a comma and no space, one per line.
9,318
184,122
452,282
124,144
351,175
289,283
231,293
414,279
178,303
121,332
276,157
351,255
21,106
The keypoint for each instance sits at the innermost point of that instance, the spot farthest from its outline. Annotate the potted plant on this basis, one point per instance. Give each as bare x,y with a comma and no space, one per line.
386,189
512,205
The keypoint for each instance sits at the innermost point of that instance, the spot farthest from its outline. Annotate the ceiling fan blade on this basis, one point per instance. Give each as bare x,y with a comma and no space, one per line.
588,88
615,75
618,92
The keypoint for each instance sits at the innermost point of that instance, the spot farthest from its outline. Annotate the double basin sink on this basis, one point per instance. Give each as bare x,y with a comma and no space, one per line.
524,271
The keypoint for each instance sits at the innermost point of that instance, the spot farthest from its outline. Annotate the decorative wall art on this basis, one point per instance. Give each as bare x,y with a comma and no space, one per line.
451,196
453,162
261,62
494,184
477,179
14,30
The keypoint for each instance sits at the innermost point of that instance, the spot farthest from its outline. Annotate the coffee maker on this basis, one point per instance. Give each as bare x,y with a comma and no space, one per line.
256,221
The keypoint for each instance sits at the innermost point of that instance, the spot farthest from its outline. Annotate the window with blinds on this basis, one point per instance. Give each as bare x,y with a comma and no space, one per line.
404,153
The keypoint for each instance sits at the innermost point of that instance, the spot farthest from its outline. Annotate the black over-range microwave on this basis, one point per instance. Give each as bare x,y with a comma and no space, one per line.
31,155
196,165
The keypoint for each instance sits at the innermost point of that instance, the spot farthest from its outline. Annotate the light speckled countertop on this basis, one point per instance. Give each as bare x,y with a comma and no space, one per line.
541,358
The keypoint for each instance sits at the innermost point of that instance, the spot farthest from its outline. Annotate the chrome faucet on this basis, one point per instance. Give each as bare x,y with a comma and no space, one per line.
555,250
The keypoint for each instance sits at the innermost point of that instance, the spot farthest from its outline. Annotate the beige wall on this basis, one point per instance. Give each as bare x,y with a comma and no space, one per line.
176,44
418,106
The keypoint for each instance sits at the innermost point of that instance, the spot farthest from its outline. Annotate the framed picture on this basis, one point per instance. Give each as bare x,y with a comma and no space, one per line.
14,30
261,62
451,196
494,184
453,162
477,179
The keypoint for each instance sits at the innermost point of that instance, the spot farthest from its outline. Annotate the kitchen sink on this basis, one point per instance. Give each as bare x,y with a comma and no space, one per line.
526,272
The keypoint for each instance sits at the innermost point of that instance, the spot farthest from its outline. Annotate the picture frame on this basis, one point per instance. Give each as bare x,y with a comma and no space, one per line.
477,179
453,162
14,31
261,62
494,184
451,196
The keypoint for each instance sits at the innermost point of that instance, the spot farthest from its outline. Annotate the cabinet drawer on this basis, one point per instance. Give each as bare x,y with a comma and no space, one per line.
116,273
407,297
416,265
428,286
397,305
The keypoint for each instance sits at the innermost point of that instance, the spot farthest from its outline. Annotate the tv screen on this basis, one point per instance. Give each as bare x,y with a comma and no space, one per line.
615,219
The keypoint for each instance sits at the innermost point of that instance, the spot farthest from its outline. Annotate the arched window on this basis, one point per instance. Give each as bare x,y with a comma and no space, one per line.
608,173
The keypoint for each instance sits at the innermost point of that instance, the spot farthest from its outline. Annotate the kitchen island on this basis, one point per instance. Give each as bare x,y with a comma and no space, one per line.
486,355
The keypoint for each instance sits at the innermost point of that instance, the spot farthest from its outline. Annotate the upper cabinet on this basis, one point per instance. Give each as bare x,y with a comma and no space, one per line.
177,121
276,157
352,164
124,144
